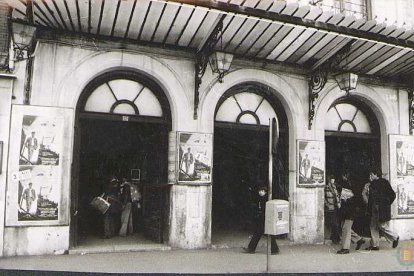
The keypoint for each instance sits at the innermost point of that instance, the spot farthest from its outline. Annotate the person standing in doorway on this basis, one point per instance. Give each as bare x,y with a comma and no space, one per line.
259,224
110,217
347,213
332,204
381,196
126,216
29,195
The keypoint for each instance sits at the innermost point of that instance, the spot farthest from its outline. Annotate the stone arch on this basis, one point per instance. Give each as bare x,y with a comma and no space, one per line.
285,93
372,99
76,80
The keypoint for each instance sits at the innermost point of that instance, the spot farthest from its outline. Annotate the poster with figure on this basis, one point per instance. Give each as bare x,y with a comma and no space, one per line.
38,194
402,174
194,157
310,163
40,144
39,166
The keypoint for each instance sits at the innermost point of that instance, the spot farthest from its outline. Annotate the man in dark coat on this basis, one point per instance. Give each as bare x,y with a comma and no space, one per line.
259,224
381,196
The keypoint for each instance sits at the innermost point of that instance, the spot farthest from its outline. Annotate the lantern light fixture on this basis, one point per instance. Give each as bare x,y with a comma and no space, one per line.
346,81
220,63
22,39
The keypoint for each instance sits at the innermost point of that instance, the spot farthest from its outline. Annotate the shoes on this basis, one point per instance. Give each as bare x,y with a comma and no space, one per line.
359,244
395,243
343,251
276,252
372,248
247,250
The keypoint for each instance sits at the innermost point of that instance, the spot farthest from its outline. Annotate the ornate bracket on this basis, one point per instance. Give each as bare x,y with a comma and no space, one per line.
411,109
316,83
201,61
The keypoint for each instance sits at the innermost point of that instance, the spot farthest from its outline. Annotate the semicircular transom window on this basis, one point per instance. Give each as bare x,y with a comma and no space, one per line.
124,97
245,108
345,117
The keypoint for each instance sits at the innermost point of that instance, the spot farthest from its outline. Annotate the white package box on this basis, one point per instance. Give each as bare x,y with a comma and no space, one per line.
277,217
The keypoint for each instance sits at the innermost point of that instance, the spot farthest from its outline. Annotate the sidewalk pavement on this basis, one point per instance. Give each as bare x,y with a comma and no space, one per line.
292,259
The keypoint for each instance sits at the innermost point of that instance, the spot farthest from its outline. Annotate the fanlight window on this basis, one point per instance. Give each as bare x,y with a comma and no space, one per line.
123,96
346,117
245,108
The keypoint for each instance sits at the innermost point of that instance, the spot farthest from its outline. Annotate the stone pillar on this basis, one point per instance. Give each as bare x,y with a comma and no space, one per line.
190,207
6,88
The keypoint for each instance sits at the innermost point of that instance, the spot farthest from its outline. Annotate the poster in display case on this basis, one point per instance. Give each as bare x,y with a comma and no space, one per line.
310,163
402,174
194,157
39,166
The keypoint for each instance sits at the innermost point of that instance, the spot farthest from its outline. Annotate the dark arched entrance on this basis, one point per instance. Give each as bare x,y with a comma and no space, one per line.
353,145
122,124
241,160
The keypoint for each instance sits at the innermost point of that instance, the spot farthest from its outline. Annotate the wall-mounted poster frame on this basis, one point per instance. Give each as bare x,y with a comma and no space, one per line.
194,157
38,178
310,163
402,175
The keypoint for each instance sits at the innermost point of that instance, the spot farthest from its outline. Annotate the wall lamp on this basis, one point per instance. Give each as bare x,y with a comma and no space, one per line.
347,81
220,63
22,40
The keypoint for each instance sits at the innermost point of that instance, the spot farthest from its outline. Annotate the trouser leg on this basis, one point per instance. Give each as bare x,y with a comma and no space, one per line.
130,221
273,244
354,236
125,218
254,241
374,227
346,234
385,230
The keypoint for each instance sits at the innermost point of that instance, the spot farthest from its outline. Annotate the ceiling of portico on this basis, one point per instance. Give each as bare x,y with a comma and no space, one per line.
274,31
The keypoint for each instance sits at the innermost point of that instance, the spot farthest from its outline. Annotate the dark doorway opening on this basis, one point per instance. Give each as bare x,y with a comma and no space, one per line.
355,155
241,163
109,147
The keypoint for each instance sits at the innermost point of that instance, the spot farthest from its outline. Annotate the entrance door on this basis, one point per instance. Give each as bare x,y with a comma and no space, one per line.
241,159
123,120
353,146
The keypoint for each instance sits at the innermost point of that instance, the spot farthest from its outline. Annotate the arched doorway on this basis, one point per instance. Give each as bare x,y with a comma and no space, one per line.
241,142
353,145
122,124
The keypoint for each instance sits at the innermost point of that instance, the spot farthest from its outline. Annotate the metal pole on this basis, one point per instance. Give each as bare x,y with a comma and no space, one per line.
269,191
273,140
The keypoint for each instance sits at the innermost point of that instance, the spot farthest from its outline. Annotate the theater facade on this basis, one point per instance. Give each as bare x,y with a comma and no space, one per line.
92,89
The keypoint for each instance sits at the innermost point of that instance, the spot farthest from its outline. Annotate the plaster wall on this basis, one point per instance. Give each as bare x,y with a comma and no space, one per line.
6,88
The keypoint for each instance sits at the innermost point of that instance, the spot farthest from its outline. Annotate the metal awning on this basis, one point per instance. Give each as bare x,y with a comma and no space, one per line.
270,30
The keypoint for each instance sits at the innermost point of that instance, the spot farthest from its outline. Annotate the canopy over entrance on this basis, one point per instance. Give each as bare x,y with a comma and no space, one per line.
273,31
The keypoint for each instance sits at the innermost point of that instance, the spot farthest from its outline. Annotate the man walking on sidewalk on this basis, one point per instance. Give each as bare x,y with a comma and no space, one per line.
381,196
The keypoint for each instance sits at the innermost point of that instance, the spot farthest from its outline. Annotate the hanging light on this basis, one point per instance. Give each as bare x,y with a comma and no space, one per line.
220,63
22,39
347,81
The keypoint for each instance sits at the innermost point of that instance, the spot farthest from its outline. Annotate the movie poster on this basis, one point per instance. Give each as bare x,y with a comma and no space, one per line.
402,174
39,167
311,163
194,157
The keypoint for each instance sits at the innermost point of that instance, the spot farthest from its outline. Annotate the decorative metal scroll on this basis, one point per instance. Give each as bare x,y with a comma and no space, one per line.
316,83
411,109
201,60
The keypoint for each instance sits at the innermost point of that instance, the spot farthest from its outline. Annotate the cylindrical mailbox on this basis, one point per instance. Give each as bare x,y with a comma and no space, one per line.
277,217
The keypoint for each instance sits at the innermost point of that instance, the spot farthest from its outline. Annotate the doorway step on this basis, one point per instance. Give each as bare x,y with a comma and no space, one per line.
239,239
132,243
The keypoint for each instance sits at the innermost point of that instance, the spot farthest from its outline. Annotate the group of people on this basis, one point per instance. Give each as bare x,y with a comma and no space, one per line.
341,208
118,219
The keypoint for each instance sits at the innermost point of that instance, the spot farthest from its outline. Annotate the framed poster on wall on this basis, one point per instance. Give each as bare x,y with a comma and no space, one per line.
402,174
194,151
310,163
39,166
